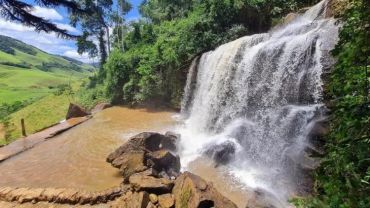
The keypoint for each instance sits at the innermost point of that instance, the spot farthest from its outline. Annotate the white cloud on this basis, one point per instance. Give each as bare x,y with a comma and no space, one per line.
67,27
46,13
5,25
48,42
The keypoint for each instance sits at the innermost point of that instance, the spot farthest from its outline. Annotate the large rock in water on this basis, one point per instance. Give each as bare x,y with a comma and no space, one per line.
143,182
152,172
166,200
164,161
144,151
132,200
191,191
130,163
221,153
75,111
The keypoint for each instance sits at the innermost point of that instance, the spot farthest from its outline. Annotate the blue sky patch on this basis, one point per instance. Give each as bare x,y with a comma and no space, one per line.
49,42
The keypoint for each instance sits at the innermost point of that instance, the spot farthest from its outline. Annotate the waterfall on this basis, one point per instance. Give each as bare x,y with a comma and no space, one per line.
262,94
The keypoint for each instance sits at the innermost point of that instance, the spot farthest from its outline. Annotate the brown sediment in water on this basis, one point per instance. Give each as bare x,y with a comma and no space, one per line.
32,140
76,158
205,168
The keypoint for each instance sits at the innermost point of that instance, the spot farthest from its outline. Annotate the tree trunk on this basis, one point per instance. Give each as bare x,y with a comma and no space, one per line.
108,39
103,53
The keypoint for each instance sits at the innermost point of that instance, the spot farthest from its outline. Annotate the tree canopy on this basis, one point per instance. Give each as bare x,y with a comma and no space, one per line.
20,11
152,60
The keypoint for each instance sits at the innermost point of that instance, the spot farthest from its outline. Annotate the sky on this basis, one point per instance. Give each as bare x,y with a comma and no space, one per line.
49,42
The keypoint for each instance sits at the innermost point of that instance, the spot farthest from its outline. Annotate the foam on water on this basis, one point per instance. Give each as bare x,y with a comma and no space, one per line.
263,93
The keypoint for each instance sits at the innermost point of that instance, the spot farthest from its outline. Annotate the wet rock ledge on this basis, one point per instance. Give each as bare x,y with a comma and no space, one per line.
151,179
151,172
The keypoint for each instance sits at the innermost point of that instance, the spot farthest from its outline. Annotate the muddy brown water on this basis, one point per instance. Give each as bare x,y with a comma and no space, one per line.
76,158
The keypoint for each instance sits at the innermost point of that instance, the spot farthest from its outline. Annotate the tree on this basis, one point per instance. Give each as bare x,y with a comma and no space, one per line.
120,29
96,26
160,10
20,11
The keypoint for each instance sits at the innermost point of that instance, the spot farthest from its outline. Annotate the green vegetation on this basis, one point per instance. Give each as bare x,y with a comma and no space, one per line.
27,72
38,115
5,111
153,62
149,62
185,196
95,25
89,97
343,179
158,50
34,85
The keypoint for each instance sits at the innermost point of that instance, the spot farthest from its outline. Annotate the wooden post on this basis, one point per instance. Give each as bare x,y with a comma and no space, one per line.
23,128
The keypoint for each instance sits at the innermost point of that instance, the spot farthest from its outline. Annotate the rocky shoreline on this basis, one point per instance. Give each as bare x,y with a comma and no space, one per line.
151,178
151,172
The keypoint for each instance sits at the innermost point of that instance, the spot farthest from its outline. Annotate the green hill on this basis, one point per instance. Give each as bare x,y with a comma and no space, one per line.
28,72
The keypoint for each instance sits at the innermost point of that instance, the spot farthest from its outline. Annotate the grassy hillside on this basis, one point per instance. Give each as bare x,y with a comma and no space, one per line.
36,86
47,111
27,72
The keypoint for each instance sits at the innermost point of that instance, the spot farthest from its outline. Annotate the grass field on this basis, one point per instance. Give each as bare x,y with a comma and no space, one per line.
17,84
27,73
47,111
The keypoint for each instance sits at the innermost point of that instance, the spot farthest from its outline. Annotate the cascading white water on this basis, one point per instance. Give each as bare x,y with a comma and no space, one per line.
261,93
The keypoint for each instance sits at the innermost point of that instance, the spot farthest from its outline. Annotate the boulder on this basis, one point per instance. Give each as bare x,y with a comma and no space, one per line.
320,129
130,163
166,200
132,200
163,160
170,142
317,134
191,191
151,205
153,198
100,106
75,111
147,141
221,153
146,150
142,182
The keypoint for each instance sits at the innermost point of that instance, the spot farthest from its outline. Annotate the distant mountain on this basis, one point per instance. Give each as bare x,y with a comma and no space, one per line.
16,53
27,72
